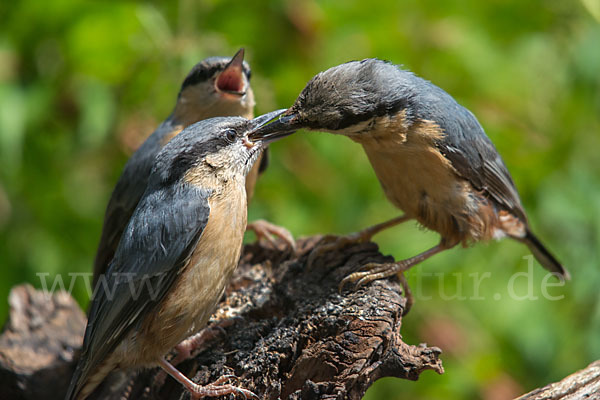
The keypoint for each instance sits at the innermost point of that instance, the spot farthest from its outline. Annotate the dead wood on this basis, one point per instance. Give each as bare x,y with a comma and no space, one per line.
286,333
584,384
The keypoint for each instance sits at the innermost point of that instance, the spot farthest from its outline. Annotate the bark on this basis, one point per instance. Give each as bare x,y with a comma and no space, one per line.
38,343
584,384
285,332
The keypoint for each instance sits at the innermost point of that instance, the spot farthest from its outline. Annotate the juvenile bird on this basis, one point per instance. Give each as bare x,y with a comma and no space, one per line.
217,86
175,256
430,154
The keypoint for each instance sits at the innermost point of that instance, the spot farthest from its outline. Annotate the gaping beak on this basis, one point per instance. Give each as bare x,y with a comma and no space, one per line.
232,80
273,126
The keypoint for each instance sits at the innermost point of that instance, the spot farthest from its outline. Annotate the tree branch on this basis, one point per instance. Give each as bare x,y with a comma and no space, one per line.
287,333
584,384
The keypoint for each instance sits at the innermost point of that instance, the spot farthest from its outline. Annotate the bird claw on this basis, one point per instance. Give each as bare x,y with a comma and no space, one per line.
224,379
375,271
188,346
217,389
368,273
266,230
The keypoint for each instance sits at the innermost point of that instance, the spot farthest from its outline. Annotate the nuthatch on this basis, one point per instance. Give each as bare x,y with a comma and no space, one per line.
430,154
175,256
217,86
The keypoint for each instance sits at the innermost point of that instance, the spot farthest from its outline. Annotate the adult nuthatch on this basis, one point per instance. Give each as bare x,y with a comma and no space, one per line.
217,86
430,154
176,255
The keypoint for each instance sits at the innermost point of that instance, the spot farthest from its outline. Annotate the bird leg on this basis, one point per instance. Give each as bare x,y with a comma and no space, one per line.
374,271
332,242
265,230
185,349
215,389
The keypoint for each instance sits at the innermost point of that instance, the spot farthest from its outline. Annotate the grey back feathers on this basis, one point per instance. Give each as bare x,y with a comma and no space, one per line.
129,189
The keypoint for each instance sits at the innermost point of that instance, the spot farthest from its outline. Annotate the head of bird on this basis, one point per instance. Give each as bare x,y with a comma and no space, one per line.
216,86
345,99
213,151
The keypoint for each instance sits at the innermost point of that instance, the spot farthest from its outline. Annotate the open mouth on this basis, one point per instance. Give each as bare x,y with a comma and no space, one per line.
231,80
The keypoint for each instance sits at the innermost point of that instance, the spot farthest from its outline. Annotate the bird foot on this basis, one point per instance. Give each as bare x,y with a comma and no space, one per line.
374,271
196,341
186,348
215,389
331,242
266,230
219,388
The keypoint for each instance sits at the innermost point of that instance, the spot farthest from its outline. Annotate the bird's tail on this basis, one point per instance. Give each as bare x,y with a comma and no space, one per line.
544,257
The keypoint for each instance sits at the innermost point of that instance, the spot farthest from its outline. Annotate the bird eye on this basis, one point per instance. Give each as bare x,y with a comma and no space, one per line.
230,135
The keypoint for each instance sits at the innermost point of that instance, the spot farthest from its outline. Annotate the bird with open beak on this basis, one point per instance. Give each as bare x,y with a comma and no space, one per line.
217,86
175,257
430,154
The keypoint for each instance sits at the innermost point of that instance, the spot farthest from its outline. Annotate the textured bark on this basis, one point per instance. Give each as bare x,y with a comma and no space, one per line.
584,384
286,332
38,343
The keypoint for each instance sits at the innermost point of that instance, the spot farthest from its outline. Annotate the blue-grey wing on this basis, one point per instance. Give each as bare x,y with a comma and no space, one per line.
476,159
127,193
466,145
162,233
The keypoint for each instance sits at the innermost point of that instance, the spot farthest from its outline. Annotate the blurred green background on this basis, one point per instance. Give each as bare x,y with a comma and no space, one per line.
82,83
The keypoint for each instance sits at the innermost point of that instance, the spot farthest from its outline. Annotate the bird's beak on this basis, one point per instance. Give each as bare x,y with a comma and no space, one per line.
273,126
231,80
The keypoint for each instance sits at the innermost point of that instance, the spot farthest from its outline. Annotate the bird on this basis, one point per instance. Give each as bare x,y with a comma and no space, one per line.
430,154
216,86
175,257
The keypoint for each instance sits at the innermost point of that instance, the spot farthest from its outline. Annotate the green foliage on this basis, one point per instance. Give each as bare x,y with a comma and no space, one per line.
81,83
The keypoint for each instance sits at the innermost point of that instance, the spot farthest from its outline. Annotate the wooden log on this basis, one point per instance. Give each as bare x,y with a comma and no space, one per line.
584,384
286,332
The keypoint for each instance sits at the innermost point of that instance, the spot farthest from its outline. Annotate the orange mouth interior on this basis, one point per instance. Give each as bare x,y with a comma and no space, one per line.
231,81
